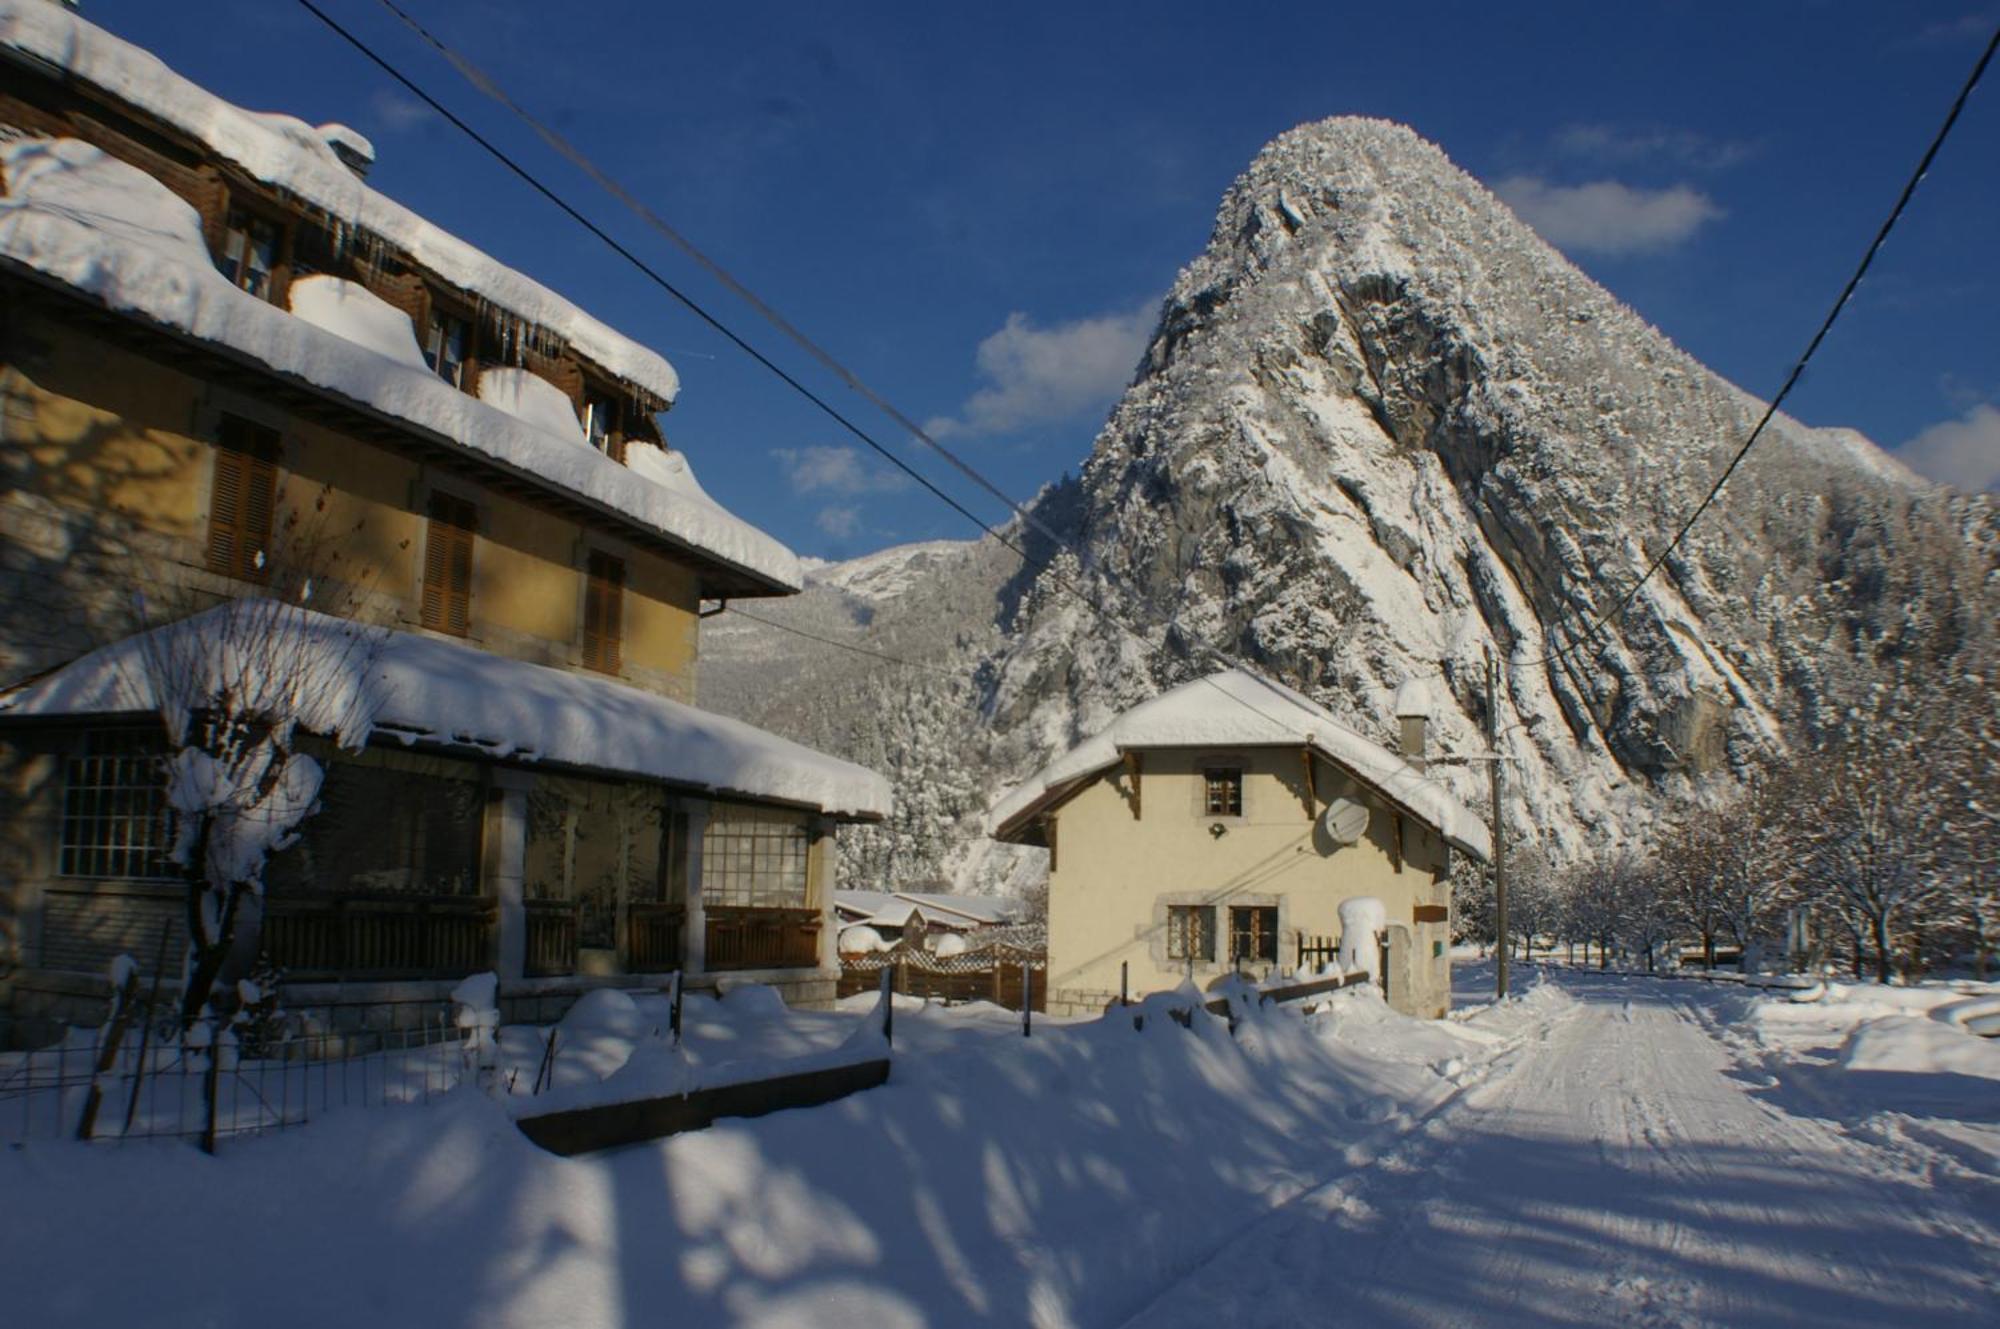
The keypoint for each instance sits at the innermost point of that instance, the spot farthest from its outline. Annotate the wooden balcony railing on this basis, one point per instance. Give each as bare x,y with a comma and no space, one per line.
552,927
653,937
741,938
379,936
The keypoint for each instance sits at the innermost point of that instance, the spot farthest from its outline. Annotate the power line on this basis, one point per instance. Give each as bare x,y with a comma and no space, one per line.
687,301
679,295
486,84
1798,368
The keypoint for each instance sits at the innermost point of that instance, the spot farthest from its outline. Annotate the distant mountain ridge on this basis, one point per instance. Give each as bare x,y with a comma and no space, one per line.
1381,428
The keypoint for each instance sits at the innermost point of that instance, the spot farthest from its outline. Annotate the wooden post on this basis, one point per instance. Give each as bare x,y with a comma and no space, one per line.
1027,998
123,1001
146,1029
887,988
1124,982
1499,851
675,1018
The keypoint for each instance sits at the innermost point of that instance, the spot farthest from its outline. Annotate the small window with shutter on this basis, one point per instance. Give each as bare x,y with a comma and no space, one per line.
603,613
241,500
447,595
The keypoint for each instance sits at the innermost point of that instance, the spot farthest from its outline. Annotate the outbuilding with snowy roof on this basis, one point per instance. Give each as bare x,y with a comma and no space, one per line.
1219,827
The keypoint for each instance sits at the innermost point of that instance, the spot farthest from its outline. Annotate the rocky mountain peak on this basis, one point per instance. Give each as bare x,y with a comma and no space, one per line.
1383,428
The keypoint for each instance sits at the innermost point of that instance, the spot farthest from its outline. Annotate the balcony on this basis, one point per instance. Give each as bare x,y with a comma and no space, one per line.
552,931
379,936
741,938
653,937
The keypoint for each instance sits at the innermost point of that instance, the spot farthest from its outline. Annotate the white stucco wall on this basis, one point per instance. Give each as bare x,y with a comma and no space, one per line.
1116,875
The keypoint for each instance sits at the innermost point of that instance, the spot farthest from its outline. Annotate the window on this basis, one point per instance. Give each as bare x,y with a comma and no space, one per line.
600,424
241,500
1222,791
114,819
389,823
599,844
249,252
603,612
1253,934
444,347
755,858
447,596
1191,932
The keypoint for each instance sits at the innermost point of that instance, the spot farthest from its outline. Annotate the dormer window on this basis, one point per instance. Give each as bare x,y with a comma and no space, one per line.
600,423
249,252
444,347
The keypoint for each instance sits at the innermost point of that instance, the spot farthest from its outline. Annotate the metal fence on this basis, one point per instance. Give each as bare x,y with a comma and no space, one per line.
156,1088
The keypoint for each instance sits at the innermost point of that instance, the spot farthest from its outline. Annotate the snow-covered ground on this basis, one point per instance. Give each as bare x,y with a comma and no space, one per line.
1630,1168
1588,1152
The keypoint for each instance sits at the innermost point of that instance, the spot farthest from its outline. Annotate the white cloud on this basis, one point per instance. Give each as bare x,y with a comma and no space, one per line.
1963,453
836,471
1034,375
839,522
1606,217
395,111
1685,147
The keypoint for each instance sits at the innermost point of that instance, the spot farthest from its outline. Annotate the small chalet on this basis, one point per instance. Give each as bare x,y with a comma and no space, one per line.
1220,826
233,375
895,916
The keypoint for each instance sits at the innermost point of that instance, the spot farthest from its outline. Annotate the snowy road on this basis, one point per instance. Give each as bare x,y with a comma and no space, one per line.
1619,1170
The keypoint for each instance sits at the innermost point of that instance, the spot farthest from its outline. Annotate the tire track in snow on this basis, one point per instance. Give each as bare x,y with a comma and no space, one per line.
1611,1172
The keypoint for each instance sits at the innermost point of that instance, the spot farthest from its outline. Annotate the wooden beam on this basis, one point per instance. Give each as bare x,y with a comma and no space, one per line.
1312,783
1134,768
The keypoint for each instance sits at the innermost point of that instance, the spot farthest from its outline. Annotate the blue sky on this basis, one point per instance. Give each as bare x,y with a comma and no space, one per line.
976,208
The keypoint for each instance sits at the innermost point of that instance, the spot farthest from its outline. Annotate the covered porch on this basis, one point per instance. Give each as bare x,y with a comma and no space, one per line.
556,827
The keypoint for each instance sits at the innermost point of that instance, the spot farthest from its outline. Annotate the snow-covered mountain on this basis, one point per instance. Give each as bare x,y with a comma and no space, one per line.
1381,428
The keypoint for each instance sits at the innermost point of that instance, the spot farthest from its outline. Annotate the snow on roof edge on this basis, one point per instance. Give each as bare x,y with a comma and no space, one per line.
149,279
443,692
1240,709
55,36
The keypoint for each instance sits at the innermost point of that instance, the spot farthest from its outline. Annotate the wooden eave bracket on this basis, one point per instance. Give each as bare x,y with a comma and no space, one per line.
1135,766
1312,782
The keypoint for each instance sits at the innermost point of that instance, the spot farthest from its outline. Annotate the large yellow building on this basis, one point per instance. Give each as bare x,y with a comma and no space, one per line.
1220,827
231,371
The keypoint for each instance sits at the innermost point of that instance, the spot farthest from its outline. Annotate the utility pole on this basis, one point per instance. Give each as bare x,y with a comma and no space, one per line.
1499,845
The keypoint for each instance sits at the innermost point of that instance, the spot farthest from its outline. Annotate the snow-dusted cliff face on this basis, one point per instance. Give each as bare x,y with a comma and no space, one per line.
1383,427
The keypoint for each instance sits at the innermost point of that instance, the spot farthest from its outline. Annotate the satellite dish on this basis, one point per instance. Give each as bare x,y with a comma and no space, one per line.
1344,821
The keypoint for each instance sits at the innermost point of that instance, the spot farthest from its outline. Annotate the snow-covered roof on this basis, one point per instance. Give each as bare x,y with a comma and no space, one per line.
1236,708
85,219
423,689
290,155
893,908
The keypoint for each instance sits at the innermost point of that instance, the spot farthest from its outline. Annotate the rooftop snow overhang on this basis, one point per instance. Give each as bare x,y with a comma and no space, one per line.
1266,715
767,571
442,695
290,157
1025,825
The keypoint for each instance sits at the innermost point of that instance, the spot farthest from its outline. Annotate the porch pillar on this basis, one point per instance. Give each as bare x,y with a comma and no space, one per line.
506,863
694,945
824,876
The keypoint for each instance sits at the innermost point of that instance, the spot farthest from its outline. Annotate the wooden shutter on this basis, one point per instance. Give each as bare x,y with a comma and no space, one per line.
242,501
603,613
447,595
